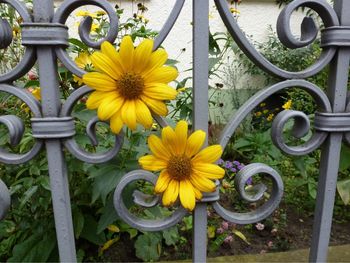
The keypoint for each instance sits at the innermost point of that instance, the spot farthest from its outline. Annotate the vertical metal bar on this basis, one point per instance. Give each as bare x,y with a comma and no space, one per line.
200,112
337,90
43,12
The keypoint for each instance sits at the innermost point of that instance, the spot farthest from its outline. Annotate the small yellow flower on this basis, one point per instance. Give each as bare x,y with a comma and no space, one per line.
36,93
234,11
287,105
258,113
85,13
100,13
83,61
94,26
265,111
130,84
186,170
270,117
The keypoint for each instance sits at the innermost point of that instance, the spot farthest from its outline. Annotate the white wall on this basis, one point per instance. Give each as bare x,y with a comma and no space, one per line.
255,18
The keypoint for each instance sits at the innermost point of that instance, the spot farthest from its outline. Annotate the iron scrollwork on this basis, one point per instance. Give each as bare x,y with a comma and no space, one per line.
47,127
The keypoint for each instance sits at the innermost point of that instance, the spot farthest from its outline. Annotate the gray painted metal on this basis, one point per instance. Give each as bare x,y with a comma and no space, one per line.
46,38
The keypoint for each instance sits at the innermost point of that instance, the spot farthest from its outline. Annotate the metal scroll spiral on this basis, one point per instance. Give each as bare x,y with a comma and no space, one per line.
300,128
15,127
301,121
308,34
140,198
6,37
61,16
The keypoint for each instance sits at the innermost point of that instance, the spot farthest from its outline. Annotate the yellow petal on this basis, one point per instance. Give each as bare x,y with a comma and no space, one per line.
116,123
169,139
195,143
181,132
129,114
96,98
99,81
162,182
158,148
209,170
208,155
157,106
109,107
152,163
126,52
202,184
187,195
142,55
171,193
197,193
109,50
143,114
103,63
164,74
160,91
158,59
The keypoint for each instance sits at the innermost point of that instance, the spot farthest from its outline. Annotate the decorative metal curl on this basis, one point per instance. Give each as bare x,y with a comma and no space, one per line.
142,199
309,32
16,127
61,16
71,144
300,128
5,199
318,95
28,59
240,183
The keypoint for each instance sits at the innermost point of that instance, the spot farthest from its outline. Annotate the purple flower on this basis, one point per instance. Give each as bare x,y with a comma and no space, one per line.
228,165
240,167
224,225
236,163
260,226
220,230
220,161
228,239
249,181
233,170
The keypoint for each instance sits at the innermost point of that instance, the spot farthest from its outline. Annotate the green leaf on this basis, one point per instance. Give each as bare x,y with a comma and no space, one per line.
36,248
147,246
344,190
27,195
78,43
108,215
171,236
78,221
105,180
89,232
240,235
344,158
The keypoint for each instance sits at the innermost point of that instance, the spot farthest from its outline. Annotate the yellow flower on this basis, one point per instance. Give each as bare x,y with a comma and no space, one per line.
287,105
85,13
258,113
234,11
265,111
83,61
186,170
94,26
36,93
270,117
130,83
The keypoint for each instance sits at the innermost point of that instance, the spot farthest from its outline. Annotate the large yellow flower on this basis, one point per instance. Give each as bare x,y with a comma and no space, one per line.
130,83
186,170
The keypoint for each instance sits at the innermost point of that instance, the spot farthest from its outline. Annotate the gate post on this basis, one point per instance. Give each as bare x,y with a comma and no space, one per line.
200,113
51,105
330,155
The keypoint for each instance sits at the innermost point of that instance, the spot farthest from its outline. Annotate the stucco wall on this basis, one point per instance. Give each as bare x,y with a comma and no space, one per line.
255,18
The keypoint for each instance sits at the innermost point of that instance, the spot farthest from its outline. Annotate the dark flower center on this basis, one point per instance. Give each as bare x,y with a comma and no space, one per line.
179,167
130,86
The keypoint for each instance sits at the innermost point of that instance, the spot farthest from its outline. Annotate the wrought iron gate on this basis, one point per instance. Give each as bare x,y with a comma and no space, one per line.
45,37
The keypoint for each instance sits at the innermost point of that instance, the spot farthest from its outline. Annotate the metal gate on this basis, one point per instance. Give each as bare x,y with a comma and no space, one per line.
45,37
